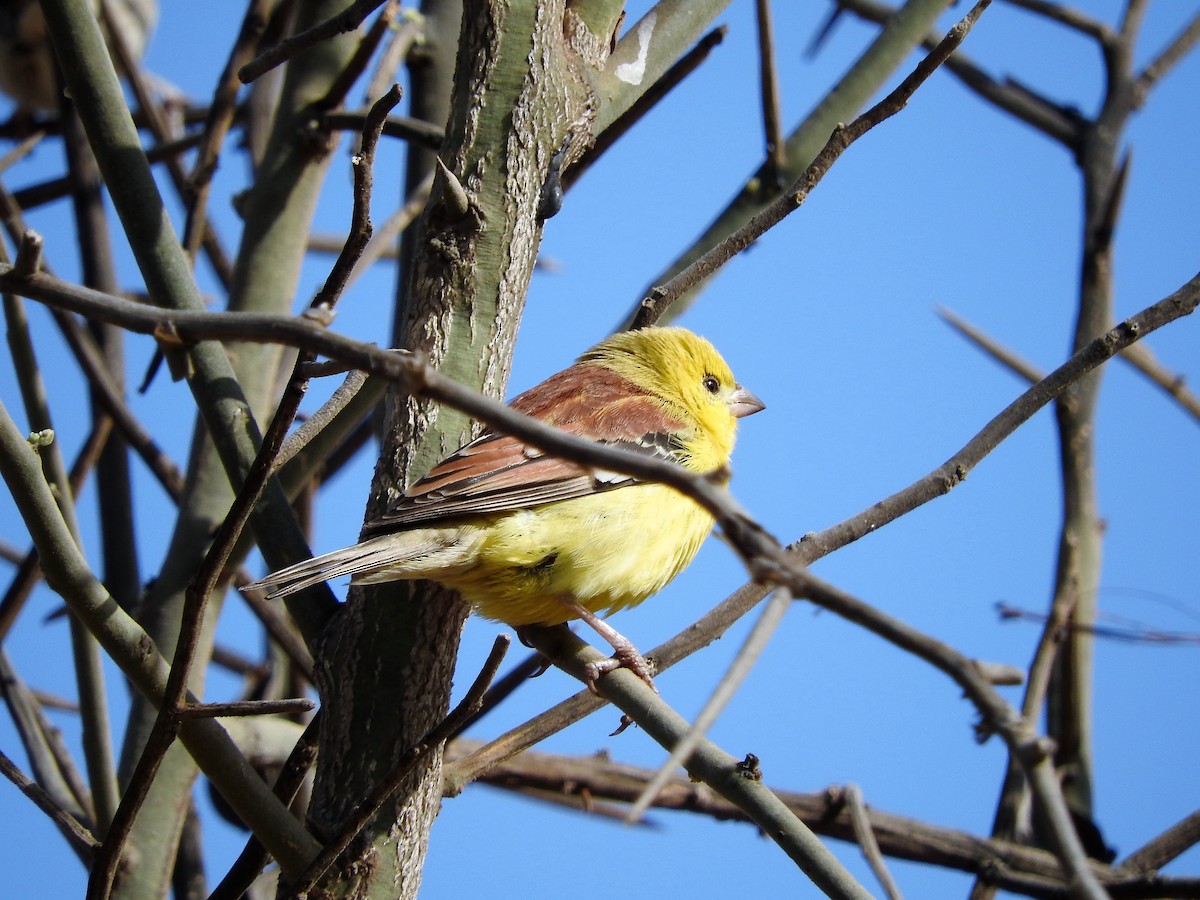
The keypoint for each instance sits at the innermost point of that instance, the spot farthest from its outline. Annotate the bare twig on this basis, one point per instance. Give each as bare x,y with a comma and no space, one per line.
1155,854
414,131
83,842
347,20
865,835
1058,122
217,123
660,298
1071,18
296,441
1167,60
50,761
340,86
161,128
245,708
769,77
993,348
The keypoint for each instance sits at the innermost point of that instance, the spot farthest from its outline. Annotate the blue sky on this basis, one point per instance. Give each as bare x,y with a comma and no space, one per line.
830,319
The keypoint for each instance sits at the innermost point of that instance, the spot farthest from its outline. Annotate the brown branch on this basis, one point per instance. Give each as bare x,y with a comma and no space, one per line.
993,348
1170,57
579,782
661,298
1059,123
769,78
221,113
361,58
347,20
82,841
864,835
278,627
49,759
1071,18
1167,846
45,192
288,706
415,131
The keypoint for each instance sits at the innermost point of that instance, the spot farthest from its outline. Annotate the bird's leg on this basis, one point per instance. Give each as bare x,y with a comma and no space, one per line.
625,656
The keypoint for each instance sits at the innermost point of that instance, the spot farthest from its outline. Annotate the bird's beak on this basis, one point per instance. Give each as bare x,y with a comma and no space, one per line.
742,403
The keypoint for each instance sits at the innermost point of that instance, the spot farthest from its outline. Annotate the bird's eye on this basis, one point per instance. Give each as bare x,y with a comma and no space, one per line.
710,383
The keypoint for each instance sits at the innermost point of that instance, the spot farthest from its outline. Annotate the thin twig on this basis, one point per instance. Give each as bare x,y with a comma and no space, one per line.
340,86
1056,121
532,665
347,20
49,759
661,298
83,842
415,131
1071,18
993,348
297,440
20,151
769,77
245,708
278,626
45,192
1139,356
162,130
1170,57
865,835
1164,848
220,117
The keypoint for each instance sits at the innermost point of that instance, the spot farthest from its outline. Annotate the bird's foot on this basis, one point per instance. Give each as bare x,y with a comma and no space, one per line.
625,657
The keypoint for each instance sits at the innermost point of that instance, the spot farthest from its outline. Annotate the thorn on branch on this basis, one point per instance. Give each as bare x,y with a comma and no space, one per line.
454,195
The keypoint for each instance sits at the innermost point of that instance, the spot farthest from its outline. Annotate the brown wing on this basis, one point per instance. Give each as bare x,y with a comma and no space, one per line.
498,473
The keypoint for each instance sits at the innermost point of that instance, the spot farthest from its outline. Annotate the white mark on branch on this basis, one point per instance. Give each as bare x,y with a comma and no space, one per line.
632,72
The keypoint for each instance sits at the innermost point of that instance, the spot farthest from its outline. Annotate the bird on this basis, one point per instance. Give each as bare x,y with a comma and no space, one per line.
528,538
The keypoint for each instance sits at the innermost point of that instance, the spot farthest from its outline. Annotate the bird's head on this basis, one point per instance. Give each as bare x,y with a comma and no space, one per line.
687,374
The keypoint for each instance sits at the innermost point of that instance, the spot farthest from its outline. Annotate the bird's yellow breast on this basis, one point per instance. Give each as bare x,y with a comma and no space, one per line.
605,551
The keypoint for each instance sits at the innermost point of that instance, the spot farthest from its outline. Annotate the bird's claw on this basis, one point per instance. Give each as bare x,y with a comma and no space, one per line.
624,658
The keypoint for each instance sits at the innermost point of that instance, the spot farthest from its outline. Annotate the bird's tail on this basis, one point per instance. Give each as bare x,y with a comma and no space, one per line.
387,557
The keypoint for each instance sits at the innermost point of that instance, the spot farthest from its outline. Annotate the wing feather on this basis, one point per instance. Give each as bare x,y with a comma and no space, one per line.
499,473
